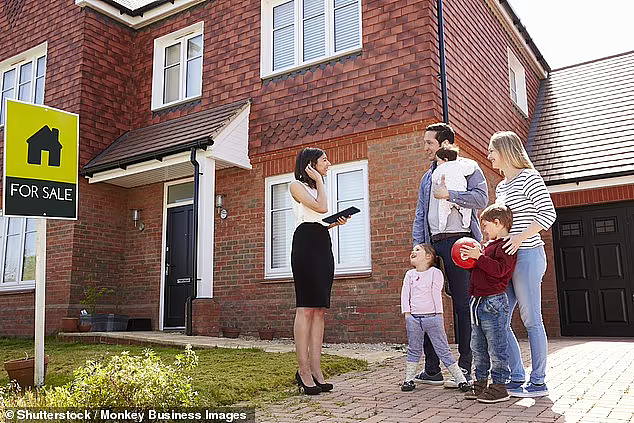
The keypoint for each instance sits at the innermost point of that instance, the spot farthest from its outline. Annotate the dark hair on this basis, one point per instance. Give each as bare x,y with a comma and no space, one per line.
500,212
448,153
443,131
307,155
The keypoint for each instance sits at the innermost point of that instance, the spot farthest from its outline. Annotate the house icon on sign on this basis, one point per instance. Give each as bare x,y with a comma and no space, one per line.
46,139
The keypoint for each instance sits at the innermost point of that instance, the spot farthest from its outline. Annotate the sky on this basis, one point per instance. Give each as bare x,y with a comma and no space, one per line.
568,32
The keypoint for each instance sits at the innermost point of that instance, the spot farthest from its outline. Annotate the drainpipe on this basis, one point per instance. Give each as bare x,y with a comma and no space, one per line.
194,239
443,69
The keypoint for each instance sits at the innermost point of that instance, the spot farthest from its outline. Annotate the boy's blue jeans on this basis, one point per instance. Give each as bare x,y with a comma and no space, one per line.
489,317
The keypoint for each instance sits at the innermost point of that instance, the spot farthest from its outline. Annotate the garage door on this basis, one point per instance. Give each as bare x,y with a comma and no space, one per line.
595,269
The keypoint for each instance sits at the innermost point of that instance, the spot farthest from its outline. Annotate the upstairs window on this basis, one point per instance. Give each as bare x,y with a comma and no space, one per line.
346,185
178,65
296,33
17,253
22,77
517,82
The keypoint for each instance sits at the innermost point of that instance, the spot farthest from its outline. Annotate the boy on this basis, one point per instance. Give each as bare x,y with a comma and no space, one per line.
488,305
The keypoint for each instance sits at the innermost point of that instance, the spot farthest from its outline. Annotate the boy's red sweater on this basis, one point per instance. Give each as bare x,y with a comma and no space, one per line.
493,270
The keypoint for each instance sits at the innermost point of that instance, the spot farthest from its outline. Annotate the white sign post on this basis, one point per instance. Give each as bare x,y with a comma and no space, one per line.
40,301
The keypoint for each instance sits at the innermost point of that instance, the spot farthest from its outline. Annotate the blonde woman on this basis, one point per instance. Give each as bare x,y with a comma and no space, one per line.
523,191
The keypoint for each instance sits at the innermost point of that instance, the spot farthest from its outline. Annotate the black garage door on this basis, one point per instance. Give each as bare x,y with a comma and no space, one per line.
595,269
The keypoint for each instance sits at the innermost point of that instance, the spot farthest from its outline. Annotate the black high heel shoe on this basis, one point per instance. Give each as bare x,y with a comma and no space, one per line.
308,390
325,387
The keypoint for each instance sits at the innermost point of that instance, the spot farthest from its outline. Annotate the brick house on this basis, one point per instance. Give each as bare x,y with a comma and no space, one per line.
237,88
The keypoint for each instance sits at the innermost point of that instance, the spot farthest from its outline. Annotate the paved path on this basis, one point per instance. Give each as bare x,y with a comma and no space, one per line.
590,380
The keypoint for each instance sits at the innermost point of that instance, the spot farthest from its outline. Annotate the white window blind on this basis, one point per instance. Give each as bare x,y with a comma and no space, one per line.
314,29
17,252
22,78
346,186
283,35
346,24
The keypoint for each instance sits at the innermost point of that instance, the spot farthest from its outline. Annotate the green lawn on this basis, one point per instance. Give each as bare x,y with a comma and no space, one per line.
224,376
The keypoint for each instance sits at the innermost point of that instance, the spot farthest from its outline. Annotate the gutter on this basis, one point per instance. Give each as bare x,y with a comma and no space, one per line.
189,328
443,67
140,10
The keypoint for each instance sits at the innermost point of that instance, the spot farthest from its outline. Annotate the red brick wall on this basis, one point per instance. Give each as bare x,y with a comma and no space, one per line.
477,74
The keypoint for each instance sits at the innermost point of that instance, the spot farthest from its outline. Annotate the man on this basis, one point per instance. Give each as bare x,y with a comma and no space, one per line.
426,231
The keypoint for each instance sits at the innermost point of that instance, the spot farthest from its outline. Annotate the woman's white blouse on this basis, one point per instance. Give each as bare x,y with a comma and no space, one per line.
304,213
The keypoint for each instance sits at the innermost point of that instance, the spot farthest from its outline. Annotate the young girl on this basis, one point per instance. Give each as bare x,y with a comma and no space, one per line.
421,303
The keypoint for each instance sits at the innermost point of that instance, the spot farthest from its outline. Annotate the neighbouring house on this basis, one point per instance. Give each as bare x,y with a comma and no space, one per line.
191,115
582,142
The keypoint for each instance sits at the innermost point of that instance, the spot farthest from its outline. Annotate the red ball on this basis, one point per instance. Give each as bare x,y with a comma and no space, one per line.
468,263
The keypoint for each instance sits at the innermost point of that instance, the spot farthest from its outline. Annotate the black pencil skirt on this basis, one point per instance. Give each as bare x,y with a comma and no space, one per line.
313,265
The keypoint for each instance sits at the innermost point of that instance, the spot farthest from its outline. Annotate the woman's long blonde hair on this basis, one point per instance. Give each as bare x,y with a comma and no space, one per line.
511,150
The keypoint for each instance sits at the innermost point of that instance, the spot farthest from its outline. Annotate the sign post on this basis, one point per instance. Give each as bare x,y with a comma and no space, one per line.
41,158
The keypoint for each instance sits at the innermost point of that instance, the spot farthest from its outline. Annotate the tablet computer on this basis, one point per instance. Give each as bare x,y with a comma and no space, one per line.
344,213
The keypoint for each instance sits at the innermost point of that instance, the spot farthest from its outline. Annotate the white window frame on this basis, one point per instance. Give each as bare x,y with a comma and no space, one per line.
15,63
519,74
266,50
19,284
158,78
285,272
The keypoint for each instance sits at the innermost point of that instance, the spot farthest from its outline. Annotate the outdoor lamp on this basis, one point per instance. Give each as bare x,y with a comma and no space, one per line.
220,206
136,217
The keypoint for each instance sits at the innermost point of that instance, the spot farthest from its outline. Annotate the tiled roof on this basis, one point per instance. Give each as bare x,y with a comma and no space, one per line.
584,123
161,139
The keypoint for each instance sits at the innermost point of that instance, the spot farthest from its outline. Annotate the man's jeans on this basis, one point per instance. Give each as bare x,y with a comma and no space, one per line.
489,317
525,290
459,280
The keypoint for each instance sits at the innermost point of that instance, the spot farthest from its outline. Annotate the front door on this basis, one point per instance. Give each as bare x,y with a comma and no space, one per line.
595,269
178,265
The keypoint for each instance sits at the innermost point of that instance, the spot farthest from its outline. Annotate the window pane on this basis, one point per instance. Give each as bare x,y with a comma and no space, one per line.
24,92
314,37
25,72
170,92
349,186
8,90
282,227
194,77
28,266
280,196
172,54
39,91
347,27
195,47
352,236
180,192
283,47
13,253
41,66
284,14
15,225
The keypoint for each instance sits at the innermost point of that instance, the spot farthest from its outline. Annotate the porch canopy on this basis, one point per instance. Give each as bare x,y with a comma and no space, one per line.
161,152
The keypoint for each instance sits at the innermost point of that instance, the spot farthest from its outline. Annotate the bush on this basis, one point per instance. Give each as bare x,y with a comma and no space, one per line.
124,381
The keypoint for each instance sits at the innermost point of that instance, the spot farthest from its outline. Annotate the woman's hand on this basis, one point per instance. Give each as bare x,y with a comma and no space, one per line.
470,252
512,243
312,173
339,222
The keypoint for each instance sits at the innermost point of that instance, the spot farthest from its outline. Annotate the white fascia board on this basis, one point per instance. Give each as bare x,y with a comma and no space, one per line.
231,143
136,22
597,183
507,20
139,167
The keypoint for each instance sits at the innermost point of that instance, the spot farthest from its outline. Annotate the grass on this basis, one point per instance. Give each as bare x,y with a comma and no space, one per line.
224,376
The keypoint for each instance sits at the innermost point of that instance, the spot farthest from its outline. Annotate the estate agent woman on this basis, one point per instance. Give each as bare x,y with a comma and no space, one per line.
313,266
524,192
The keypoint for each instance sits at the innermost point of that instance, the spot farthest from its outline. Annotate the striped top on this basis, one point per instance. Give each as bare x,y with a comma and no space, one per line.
529,200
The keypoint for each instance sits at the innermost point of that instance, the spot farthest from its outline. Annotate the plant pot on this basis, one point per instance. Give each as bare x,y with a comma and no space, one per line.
266,334
70,324
23,370
230,332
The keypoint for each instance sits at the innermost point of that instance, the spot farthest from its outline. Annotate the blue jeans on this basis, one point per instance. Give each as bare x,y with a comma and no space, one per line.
459,281
419,326
489,338
525,290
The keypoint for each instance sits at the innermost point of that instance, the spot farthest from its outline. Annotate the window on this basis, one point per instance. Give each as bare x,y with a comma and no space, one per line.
178,66
22,77
17,253
296,33
346,185
517,82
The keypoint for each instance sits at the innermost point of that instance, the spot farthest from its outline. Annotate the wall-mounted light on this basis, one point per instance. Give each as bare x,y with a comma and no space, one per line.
136,218
220,206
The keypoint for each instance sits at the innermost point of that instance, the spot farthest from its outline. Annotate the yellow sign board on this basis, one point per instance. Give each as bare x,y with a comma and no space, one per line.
41,157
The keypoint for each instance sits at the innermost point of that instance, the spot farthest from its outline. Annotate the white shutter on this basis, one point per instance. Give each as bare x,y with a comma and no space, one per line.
347,31
282,225
314,40
284,35
352,237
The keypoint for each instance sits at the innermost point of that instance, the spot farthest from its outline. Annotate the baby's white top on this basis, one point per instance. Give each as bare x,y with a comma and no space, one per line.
304,213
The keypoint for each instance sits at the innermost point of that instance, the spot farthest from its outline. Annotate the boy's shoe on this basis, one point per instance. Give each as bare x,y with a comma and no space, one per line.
451,383
531,390
408,385
495,392
476,389
436,379
514,386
